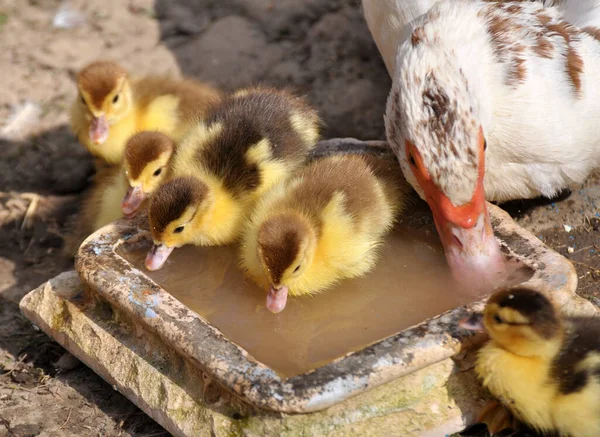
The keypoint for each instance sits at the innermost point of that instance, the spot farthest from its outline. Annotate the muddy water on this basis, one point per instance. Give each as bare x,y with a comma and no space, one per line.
410,284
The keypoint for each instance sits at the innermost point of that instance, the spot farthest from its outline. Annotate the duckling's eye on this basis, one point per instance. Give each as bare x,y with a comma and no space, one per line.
498,319
297,268
116,98
411,159
157,172
178,230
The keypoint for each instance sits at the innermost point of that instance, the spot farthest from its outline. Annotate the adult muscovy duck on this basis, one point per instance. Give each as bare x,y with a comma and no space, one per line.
496,101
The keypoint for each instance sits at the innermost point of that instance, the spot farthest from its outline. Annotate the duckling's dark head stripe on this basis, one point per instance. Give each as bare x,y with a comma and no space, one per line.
532,305
279,242
144,148
99,78
171,200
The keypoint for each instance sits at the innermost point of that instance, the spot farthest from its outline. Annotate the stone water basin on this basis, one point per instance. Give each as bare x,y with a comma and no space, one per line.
380,355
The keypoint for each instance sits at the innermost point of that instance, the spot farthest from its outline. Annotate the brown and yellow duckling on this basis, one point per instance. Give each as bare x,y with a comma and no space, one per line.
120,190
322,225
253,139
543,367
111,107
145,161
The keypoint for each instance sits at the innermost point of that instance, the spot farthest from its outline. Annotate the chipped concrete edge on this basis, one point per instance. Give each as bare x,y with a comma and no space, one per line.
432,402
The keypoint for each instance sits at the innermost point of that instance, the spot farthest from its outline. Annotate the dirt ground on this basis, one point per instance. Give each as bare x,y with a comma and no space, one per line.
320,47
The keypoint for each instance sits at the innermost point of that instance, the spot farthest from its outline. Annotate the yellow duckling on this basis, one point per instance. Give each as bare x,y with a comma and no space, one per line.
544,368
111,107
252,140
322,225
146,157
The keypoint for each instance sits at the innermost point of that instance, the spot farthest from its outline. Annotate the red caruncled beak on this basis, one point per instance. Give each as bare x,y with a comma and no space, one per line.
472,251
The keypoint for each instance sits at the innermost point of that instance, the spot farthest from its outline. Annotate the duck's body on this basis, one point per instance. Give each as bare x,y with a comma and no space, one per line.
544,368
512,76
321,225
111,107
251,141
391,21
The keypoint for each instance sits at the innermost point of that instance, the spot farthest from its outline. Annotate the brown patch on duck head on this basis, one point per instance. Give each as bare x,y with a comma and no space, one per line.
145,147
417,36
279,244
532,306
99,79
172,199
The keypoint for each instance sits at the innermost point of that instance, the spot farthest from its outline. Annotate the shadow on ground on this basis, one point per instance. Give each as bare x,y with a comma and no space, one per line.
41,180
321,48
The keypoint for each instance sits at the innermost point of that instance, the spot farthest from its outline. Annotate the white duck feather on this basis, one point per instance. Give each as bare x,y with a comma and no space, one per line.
516,76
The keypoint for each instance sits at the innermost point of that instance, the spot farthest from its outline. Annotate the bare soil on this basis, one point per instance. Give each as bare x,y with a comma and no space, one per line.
322,48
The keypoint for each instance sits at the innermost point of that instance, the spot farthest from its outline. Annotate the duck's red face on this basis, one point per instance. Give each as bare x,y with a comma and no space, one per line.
472,251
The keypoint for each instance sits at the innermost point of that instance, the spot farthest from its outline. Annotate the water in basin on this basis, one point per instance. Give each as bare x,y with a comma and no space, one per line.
410,284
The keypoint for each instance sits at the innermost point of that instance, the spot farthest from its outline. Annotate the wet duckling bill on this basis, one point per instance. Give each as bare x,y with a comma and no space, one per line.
322,225
111,107
545,368
253,139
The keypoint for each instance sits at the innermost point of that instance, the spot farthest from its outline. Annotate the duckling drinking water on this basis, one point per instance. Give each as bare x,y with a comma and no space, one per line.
111,107
254,139
322,225
543,367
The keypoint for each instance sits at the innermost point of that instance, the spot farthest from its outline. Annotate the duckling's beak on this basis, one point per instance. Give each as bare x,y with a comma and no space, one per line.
157,256
277,298
472,323
99,129
132,201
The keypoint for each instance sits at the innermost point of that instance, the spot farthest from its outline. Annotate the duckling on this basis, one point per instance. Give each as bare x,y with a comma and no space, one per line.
99,207
145,162
543,367
254,139
321,225
111,107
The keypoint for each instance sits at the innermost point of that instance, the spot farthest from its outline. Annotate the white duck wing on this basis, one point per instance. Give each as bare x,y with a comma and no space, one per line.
390,21
581,13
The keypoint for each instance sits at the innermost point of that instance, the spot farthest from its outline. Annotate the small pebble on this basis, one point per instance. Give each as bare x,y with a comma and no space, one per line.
567,228
67,362
570,249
